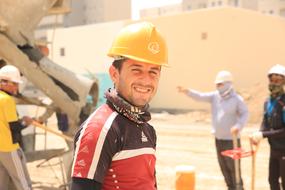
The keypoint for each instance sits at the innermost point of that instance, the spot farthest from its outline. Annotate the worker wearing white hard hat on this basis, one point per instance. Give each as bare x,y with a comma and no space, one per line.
10,73
229,116
273,126
12,158
277,69
223,81
223,76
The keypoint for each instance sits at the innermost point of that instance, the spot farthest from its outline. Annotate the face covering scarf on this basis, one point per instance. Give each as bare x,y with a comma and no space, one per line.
136,114
225,90
276,90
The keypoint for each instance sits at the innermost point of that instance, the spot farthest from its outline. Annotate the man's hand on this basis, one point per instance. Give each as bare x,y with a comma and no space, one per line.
234,131
40,120
26,121
181,89
256,137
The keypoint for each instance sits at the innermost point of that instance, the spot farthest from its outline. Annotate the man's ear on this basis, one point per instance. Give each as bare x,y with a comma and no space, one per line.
114,74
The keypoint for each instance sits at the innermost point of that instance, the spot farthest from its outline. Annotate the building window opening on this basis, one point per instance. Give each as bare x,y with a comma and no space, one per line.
62,51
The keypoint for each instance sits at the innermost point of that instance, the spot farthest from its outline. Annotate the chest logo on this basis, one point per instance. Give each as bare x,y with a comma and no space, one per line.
85,150
81,163
143,137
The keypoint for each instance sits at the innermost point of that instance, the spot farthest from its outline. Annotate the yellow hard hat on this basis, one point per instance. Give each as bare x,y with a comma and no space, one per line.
142,42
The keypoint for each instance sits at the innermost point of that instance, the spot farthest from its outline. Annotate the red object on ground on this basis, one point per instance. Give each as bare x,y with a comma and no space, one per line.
237,153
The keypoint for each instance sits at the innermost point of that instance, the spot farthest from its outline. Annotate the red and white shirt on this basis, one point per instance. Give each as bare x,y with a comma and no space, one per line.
115,151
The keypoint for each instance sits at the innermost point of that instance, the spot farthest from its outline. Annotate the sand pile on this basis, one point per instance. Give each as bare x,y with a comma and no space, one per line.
255,98
183,118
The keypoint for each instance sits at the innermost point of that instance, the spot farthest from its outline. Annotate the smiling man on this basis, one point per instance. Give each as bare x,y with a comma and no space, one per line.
115,147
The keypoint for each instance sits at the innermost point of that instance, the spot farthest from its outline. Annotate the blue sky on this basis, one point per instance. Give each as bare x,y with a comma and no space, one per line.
142,4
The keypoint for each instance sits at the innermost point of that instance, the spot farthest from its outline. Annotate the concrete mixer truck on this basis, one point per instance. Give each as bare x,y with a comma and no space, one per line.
67,90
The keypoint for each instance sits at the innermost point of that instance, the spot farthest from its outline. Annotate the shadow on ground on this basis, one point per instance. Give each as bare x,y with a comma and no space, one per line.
45,186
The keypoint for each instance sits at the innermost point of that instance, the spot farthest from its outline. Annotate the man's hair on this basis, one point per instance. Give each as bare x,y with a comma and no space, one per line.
118,64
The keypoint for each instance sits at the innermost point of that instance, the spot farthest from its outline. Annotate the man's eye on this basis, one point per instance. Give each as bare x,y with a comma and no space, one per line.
136,70
154,73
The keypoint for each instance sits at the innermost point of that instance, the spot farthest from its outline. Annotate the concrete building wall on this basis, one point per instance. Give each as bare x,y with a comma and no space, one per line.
189,5
107,10
249,4
77,15
216,39
84,48
48,22
272,7
198,4
217,3
158,11
86,12
117,10
201,43
94,11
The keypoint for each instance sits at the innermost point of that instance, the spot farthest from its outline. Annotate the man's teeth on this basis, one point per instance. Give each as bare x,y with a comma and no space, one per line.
142,89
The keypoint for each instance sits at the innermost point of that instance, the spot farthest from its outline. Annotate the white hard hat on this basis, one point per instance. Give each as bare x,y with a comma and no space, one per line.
277,69
223,76
11,73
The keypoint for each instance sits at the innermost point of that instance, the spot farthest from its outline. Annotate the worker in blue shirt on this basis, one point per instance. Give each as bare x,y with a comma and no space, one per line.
273,127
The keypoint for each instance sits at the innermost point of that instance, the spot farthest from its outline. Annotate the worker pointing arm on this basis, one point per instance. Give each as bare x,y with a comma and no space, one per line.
229,115
196,95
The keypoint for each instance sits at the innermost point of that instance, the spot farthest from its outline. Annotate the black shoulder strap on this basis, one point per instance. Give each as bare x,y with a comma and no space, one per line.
281,101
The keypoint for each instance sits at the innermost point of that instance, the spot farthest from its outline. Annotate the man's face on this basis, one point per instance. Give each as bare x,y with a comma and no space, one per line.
276,79
220,85
9,86
136,81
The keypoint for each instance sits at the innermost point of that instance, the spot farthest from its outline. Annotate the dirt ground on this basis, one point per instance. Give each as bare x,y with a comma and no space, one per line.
182,142
183,139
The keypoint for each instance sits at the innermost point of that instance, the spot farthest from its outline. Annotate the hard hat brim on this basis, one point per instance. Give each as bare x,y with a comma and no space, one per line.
9,79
